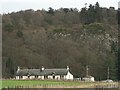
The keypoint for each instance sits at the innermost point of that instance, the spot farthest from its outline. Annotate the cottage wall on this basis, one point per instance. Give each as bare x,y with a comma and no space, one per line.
65,77
68,76
91,79
41,77
24,77
17,77
50,77
32,77
57,77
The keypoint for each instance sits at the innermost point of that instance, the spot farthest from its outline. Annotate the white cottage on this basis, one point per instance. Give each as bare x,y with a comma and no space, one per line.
61,73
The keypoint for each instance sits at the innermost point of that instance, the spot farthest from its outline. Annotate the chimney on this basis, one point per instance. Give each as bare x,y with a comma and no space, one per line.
119,5
68,68
118,17
18,69
42,68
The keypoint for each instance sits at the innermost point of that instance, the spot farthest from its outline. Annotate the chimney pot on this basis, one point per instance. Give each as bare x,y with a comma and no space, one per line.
42,68
67,67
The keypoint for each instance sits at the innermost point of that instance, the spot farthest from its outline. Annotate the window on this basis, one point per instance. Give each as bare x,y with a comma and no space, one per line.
36,76
53,77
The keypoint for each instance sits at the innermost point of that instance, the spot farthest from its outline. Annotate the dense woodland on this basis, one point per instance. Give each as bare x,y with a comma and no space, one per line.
56,38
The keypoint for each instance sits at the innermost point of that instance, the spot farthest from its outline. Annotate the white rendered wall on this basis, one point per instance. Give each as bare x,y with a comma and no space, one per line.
89,79
41,77
32,77
50,77
57,77
17,77
25,77
68,76
92,79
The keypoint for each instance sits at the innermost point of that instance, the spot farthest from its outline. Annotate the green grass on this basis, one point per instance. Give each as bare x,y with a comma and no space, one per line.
53,83
0,84
13,83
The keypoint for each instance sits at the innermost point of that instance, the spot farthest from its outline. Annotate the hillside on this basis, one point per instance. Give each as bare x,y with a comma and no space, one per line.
60,38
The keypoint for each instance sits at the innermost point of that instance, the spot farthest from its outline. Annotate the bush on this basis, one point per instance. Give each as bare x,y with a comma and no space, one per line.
59,30
9,27
19,34
95,28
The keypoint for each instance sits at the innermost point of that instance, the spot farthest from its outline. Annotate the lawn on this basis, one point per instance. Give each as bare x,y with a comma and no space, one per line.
51,84
0,84
25,83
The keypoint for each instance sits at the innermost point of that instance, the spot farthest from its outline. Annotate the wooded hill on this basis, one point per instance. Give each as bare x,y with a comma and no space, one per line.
59,38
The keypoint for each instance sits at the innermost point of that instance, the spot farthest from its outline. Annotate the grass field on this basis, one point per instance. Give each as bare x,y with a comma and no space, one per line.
13,83
0,84
47,83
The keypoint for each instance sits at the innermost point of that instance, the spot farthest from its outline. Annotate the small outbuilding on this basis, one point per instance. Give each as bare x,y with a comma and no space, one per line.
89,78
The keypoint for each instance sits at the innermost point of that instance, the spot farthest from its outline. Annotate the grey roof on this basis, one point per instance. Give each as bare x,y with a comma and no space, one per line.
25,72
88,76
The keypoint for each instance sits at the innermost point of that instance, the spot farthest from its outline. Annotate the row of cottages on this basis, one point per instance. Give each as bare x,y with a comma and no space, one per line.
43,73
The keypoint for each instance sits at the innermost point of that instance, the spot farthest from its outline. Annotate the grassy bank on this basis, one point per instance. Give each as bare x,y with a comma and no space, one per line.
13,83
50,83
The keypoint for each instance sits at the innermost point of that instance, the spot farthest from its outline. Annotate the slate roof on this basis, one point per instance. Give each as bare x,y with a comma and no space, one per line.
39,72
88,76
